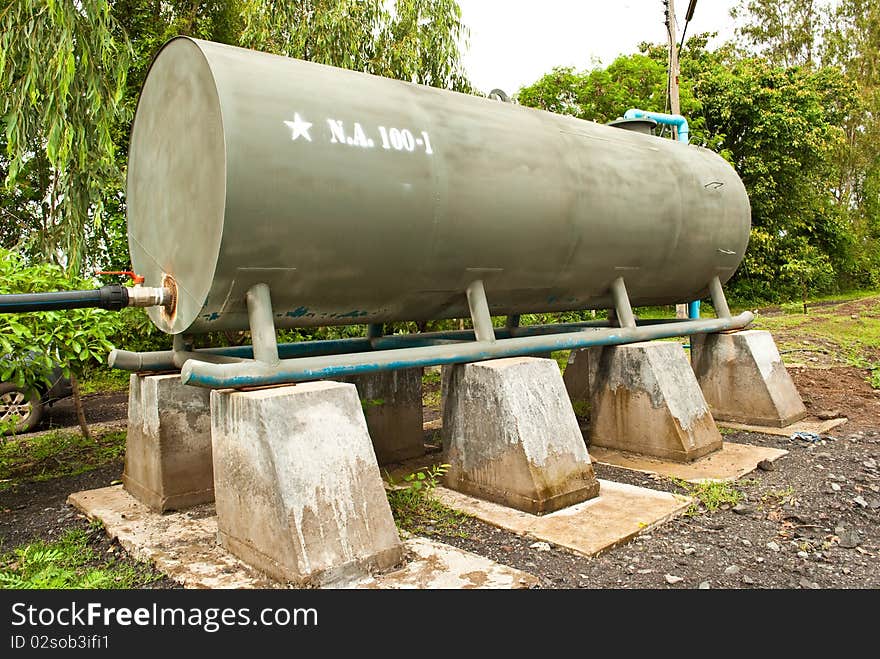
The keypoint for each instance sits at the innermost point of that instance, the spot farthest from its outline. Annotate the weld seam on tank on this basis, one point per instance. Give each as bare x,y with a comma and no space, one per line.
309,368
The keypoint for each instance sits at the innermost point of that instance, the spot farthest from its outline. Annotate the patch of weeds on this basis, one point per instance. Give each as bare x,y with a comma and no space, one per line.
367,403
710,495
779,497
103,381
416,511
431,377
581,408
724,430
70,562
561,357
56,454
874,377
431,398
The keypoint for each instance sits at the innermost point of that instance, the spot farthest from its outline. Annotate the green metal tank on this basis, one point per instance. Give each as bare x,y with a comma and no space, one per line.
360,199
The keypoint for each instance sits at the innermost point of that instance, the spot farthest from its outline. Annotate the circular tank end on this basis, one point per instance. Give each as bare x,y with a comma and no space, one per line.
176,182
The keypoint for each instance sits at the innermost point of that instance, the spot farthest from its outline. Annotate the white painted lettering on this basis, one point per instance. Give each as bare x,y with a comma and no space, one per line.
337,131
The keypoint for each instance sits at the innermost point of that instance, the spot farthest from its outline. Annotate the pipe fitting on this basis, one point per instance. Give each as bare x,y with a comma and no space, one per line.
148,296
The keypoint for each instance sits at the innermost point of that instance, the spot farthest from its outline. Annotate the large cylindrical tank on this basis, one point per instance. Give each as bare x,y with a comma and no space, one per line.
360,199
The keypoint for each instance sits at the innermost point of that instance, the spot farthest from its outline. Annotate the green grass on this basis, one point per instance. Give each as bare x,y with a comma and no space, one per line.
431,398
104,380
856,341
55,454
710,495
70,562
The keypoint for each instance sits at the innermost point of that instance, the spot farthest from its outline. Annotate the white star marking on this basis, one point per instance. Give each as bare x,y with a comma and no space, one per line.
299,127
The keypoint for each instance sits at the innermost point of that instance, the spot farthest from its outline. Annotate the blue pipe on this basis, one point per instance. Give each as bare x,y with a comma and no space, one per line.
251,374
684,135
676,120
165,360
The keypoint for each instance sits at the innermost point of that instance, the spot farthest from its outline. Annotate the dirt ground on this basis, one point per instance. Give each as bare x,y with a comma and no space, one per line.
810,522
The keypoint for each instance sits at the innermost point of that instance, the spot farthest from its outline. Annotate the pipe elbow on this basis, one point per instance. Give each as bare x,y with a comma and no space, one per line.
677,120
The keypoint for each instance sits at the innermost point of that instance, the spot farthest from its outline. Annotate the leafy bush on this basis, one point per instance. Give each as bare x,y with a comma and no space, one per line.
31,344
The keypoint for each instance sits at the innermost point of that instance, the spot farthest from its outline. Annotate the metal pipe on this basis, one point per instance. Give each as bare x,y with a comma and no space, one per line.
676,120
719,301
259,306
694,309
164,360
621,303
312,368
180,358
479,307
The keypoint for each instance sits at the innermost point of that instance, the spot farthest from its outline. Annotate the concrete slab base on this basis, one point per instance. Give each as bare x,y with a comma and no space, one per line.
168,463
183,545
732,462
619,513
510,436
392,403
296,483
744,379
645,399
805,425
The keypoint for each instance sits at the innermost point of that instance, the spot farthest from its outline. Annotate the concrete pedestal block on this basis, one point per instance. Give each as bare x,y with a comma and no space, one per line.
577,381
168,463
392,403
298,490
645,399
510,436
744,380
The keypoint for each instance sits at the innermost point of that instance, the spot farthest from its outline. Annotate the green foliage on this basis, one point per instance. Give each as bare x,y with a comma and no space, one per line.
62,78
33,343
416,511
710,495
413,40
69,562
101,379
784,32
55,454
781,128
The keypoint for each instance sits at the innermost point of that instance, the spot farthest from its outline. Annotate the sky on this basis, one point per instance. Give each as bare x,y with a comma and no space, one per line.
515,42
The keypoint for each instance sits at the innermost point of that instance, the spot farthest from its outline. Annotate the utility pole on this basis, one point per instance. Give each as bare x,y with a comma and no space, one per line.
672,30
681,310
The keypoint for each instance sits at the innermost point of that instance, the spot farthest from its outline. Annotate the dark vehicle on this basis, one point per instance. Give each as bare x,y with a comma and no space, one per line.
21,409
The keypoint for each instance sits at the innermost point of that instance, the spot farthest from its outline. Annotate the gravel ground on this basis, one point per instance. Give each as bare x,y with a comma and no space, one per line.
810,522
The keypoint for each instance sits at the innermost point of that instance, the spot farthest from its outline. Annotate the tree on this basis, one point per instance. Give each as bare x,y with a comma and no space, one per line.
784,32
852,42
417,40
62,79
782,128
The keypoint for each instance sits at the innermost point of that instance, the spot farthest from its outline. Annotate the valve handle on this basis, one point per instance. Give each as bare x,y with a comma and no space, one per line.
136,278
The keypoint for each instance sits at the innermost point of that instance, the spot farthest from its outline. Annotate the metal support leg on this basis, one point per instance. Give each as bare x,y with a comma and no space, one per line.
621,303
375,330
259,306
476,296
718,299
512,321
